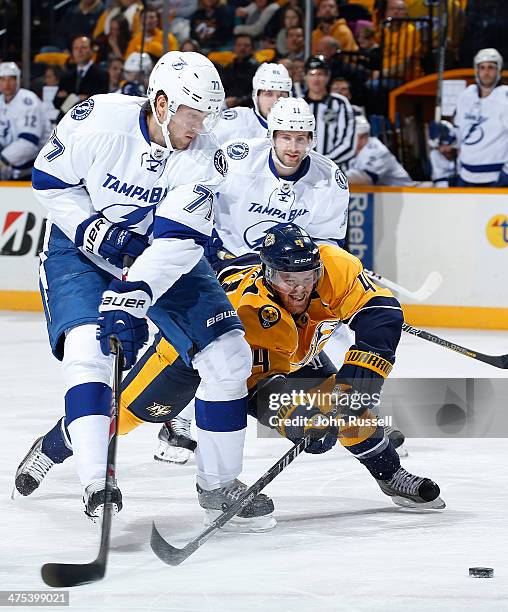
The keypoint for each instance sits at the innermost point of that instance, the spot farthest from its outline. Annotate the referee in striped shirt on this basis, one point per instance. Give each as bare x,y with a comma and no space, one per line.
335,121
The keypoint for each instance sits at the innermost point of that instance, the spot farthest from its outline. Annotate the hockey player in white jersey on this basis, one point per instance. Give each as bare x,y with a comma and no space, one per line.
373,164
481,125
271,82
443,154
280,179
126,176
23,125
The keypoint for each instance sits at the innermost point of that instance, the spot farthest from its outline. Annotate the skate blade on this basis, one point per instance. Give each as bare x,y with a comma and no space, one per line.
402,451
15,493
174,455
237,524
435,504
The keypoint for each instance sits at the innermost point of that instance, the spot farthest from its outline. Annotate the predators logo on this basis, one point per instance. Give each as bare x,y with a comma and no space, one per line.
158,410
268,316
269,240
299,242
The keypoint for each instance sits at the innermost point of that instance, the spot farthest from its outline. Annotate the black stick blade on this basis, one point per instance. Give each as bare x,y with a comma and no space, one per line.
72,574
165,551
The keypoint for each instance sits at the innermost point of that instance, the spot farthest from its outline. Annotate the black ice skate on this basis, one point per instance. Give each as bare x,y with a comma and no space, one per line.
32,470
175,441
95,497
411,491
255,515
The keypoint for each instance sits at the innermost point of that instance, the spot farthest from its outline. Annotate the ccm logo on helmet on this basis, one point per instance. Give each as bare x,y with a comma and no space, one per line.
303,260
220,317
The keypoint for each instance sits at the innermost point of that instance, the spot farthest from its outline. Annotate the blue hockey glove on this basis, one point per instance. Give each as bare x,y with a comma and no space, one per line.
441,132
123,315
97,235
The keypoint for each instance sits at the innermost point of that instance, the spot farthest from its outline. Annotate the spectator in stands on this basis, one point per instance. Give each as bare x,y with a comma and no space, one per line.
190,44
237,77
78,19
153,43
328,47
115,73
52,76
116,42
212,25
292,17
295,42
23,125
82,79
342,87
178,9
298,76
256,15
335,125
329,24
402,46
373,164
129,9
370,48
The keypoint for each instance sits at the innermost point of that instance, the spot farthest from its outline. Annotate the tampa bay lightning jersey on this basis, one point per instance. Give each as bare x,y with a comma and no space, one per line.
377,166
443,170
254,197
240,122
100,160
482,133
23,130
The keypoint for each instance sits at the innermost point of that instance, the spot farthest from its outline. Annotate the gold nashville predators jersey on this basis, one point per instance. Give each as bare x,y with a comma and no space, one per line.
282,343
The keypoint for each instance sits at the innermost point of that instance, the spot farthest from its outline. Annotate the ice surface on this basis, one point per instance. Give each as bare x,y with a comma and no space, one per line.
340,544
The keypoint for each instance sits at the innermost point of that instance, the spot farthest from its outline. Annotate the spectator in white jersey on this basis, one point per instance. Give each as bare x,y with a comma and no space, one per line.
23,125
335,125
373,163
481,125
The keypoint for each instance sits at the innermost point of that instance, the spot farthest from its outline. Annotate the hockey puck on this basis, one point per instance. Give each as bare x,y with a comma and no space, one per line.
481,572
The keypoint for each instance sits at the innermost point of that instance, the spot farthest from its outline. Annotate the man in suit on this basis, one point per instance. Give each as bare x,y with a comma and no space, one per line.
82,79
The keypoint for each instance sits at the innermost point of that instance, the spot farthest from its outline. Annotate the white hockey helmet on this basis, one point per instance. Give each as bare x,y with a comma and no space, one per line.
362,125
10,69
488,55
291,115
137,62
188,79
270,77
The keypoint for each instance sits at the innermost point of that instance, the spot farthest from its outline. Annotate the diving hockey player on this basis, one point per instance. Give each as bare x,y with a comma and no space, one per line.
270,83
289,305
24,126
121,176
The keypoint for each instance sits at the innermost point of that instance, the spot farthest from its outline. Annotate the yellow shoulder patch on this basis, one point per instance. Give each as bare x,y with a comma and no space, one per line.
268,316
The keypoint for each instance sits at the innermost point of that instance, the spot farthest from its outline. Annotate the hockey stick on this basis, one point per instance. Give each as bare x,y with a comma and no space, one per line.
498,361
174,556
431,284
74,574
